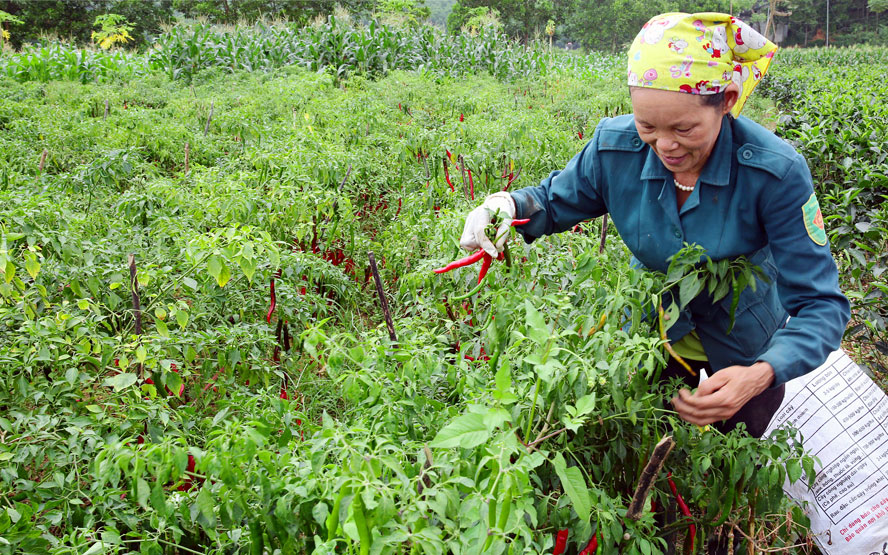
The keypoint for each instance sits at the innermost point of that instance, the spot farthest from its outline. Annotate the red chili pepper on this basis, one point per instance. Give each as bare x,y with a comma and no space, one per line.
560,542
471,259
580,134
685,510
471,186
212,381
447,175
485,266
460,117
516,223
592,546
273,302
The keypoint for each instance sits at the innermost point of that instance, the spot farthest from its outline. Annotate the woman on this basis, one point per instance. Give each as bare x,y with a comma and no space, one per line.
681,169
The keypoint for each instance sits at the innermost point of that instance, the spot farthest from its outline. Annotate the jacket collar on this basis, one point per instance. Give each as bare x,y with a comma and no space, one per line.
717,170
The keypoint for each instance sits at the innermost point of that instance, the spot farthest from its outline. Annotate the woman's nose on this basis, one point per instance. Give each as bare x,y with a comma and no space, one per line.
666,144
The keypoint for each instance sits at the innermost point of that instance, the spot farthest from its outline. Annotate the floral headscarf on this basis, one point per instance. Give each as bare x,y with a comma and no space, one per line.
699,53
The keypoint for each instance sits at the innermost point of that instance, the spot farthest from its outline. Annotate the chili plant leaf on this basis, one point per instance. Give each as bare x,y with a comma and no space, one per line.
574,486
537,330
120,381
466,431
690,287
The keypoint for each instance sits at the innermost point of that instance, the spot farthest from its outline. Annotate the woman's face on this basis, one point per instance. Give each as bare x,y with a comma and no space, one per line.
678,126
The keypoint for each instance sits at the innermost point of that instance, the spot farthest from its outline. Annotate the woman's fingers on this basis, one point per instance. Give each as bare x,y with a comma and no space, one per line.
722,395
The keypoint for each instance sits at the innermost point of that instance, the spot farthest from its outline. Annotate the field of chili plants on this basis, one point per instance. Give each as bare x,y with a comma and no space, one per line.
193,357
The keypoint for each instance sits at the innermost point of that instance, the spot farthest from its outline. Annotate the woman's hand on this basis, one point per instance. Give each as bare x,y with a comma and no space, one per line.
474,232
724,393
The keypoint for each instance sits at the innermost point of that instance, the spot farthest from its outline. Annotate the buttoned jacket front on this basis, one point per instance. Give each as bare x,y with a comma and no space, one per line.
750,200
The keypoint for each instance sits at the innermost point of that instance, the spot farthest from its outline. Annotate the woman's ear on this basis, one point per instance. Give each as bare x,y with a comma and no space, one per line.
732,95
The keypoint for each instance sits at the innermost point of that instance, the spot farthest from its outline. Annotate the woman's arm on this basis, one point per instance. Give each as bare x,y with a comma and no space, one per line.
807,278
566,197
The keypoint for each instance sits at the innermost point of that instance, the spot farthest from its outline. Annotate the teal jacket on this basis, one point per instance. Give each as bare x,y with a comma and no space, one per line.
754,198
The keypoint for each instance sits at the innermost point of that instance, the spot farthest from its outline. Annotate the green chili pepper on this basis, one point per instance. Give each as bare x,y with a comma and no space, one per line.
332,521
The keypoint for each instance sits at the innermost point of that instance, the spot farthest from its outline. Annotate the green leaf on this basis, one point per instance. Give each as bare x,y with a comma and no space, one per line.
31,265
574,486
182,318
793,470
466,431
224,275
537,330
162,328
248,267
120,381
690,287
585,404
142,492
206,505
214,266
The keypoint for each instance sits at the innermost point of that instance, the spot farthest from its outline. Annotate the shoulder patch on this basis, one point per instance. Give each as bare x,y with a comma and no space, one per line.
814,220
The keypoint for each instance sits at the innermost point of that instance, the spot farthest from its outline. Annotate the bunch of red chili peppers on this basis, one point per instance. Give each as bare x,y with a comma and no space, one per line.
480,254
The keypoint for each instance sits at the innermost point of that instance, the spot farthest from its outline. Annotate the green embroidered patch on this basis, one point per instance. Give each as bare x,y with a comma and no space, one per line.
814,221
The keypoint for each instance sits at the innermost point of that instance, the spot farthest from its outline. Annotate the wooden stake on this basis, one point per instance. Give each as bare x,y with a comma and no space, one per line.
187,156
209,119
105,116
134,289
382,300
603,234
648,475
42,160
425,481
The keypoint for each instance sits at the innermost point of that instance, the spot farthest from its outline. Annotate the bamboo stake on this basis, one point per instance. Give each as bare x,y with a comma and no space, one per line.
105,116
134,289
187,157
42,160
603,234
382,300
209,119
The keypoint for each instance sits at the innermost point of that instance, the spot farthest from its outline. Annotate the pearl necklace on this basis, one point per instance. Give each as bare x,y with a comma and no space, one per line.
684,188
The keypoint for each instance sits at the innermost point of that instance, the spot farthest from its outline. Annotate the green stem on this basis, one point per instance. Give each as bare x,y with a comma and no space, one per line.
536,393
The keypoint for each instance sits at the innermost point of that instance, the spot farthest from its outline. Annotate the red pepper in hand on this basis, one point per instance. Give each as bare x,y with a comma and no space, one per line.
471,259
485,266
560,542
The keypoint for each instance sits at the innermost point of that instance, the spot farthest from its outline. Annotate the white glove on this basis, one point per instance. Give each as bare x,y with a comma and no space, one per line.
473,236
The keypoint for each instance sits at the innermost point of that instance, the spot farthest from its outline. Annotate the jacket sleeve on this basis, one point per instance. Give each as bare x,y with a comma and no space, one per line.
565,198
807,278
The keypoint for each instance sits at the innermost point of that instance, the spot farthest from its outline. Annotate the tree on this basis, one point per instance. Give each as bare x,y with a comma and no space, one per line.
402,12
114,29
472,20
297,11
520,18
5,20
73,19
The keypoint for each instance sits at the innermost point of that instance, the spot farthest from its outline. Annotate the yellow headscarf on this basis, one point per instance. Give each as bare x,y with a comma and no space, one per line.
699,53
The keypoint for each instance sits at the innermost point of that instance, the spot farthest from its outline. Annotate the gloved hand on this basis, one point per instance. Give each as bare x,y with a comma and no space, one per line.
473,236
